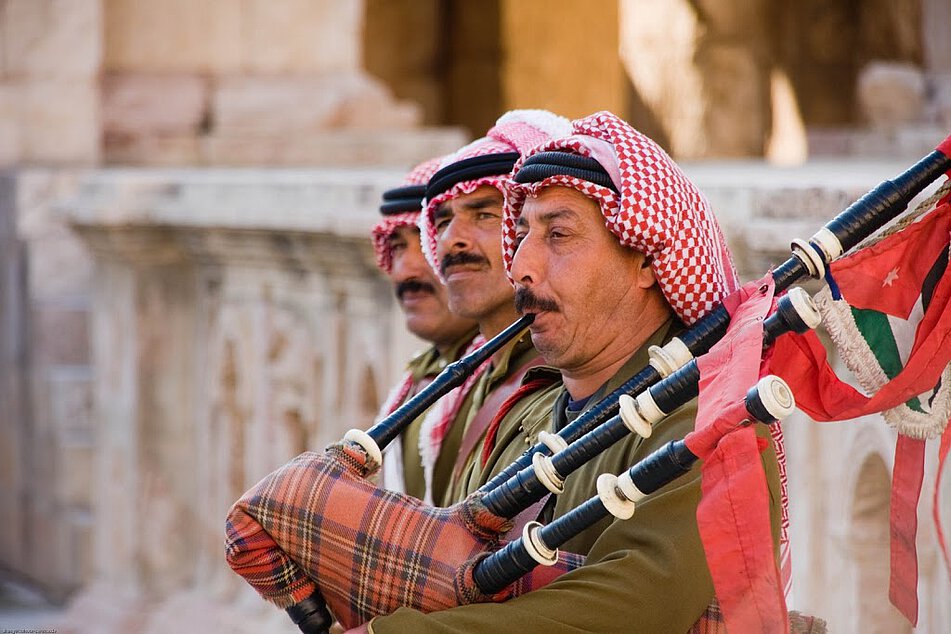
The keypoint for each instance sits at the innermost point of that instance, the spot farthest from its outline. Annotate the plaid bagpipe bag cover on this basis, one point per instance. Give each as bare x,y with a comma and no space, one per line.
318,523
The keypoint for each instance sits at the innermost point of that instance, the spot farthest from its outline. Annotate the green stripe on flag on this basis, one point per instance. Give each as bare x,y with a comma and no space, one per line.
877,332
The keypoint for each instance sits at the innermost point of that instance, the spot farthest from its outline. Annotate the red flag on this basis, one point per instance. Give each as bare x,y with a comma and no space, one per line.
733,515
884,286
801,359
888,276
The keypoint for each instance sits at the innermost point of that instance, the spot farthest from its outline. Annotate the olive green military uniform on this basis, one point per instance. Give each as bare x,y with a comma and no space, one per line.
509,359
645,574
424,367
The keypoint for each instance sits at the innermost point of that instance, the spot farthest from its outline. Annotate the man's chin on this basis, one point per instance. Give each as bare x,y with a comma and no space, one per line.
549,346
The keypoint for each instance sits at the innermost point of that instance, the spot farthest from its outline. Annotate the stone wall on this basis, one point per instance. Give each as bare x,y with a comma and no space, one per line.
238,321
261,82
49,428
50,54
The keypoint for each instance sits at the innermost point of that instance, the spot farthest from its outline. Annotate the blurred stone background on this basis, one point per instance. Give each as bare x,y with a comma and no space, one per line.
187,292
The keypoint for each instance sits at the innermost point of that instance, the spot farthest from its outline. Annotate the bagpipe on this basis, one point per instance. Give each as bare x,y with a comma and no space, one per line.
316,529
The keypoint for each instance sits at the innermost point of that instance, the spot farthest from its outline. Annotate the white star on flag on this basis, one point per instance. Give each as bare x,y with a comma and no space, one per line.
891,277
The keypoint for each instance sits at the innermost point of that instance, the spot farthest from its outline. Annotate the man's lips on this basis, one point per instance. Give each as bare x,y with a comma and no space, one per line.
459,270
410,297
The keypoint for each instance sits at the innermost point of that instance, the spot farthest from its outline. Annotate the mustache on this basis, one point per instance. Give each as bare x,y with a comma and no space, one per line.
527,301
460,257
414,286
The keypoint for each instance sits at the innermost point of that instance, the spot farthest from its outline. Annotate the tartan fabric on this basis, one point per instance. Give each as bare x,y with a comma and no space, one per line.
370,550
382,231
515,131
658,212
252,552
711,622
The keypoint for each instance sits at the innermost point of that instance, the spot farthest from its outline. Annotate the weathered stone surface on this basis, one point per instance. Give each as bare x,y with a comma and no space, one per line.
941,99
265,105
706,83
736,100
787,143
144,105
165,150
936,14
333,148
51,38
223,37
60,122
61,336
297,36
532,79
394,52
79,461
891,94
10,132
176,36
59,266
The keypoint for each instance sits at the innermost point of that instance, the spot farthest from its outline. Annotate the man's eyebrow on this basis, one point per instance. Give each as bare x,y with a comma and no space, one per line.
442,211
396,236
546,217
482,202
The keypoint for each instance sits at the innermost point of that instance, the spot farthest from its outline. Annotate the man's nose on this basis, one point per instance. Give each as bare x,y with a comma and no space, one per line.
410,264
457,236
528,261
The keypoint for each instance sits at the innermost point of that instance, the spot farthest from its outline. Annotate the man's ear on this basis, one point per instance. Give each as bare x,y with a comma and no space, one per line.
645,273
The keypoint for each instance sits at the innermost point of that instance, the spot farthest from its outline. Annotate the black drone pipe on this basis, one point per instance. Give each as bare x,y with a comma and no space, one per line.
527,487
539,544
860,220
453,376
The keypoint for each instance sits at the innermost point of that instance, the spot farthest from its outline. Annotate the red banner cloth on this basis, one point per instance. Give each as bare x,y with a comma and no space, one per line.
733,515
908,475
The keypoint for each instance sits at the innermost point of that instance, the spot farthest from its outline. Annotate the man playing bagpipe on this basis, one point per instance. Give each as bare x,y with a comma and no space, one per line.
461,237
409,466
613,250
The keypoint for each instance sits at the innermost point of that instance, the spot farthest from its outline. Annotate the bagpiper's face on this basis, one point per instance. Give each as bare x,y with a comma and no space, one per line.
421,295
583,286
469,252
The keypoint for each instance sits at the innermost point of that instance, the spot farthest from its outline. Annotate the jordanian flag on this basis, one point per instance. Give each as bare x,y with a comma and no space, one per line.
888,312
891,326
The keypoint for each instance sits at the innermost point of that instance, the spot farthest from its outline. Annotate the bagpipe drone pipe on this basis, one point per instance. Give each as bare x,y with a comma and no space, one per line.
265,530
768,402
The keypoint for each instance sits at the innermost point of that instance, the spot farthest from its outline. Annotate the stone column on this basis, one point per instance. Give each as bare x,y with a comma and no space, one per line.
702,69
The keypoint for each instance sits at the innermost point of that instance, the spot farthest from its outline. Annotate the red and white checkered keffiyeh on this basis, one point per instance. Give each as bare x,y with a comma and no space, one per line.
382,231
515,131
659,212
